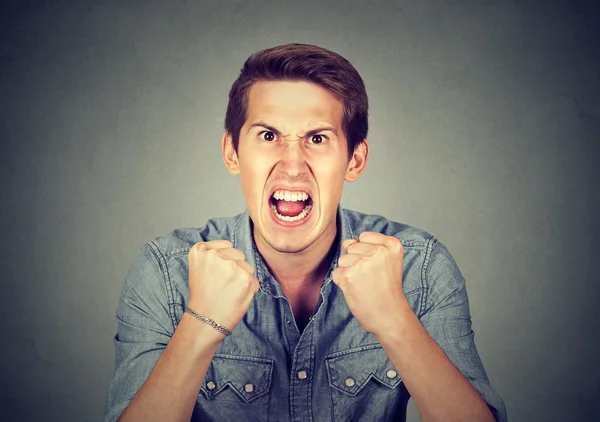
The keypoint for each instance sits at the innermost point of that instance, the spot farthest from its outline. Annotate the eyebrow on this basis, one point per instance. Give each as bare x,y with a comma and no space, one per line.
278,132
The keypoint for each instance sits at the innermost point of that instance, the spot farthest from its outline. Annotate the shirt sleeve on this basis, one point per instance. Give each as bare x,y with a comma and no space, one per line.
143,331
447,319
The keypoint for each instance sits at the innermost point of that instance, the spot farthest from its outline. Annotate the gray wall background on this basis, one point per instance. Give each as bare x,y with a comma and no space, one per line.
485,131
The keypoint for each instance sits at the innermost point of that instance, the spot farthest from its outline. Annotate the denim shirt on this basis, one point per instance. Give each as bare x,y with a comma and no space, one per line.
268,370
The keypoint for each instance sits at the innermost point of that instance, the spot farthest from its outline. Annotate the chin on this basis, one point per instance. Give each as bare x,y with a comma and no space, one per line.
289,245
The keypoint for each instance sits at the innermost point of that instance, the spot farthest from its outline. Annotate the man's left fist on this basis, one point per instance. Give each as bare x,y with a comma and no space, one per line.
370,276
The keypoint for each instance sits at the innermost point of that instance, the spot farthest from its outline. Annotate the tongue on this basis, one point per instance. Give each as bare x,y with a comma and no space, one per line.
289,208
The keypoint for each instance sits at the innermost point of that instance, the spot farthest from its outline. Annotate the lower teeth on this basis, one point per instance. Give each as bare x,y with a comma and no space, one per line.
300,216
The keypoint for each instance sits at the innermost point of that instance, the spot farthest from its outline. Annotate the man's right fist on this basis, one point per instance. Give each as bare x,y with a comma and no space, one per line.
221,282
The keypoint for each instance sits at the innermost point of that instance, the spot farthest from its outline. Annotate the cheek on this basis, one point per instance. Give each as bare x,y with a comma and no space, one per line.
253,179
331,181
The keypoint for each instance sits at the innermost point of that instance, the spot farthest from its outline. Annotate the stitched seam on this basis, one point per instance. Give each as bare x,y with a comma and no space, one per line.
424,269
244,358
166,277
413,291
257,268
175,252
173,305
411,243
373,346
352,235
235,229
312,369
259,273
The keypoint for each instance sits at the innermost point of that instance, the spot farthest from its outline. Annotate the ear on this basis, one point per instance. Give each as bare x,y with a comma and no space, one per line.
358,162
230,157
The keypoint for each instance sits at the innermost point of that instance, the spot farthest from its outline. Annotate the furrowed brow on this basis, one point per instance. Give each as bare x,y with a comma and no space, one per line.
320,129
277,132
265,126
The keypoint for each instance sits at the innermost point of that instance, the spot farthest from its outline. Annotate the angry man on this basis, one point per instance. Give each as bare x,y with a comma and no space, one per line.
297,309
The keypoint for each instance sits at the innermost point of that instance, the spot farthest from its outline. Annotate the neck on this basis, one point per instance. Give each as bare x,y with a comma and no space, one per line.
300,269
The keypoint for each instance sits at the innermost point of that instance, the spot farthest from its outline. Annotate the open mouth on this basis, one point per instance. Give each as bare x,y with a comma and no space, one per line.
290,206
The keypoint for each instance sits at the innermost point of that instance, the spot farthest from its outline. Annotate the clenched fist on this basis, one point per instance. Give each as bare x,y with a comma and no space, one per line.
370,276
221,282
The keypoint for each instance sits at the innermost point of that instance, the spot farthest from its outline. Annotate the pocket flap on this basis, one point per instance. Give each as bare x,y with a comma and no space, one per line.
249,377
350,370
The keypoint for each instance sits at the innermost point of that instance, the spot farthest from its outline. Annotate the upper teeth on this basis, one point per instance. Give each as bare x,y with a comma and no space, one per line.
290,196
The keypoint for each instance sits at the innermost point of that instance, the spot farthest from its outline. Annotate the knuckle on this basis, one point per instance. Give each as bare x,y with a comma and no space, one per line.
248,281
197,248
397,244
341,276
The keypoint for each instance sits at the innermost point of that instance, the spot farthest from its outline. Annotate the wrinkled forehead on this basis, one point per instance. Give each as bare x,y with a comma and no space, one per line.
294,107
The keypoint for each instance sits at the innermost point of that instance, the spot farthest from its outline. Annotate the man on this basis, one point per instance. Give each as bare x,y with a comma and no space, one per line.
297,309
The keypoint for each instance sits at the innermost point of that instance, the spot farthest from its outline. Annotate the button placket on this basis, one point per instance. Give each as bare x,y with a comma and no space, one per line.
301,392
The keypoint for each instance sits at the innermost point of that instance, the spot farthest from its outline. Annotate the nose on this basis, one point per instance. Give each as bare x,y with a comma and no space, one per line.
293,161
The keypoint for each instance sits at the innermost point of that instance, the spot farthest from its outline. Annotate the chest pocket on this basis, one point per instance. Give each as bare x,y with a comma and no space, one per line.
235,388
364,385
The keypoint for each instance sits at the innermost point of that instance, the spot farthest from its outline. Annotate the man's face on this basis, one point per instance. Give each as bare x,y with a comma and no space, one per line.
293,159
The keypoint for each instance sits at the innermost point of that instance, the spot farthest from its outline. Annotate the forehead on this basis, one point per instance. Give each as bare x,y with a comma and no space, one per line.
293,103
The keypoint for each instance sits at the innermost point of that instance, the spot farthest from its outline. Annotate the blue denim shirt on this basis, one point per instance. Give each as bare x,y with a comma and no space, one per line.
268,370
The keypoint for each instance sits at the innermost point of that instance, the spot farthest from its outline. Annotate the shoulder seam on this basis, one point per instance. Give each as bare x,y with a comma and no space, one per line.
424,269
166,277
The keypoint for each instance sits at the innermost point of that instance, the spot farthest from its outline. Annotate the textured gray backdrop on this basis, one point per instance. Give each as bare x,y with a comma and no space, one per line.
485,131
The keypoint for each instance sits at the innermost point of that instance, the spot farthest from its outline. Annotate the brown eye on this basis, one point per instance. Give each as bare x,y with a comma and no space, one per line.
267,136
317,139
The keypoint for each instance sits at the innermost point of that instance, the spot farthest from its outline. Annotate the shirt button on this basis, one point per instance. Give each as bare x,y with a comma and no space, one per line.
391,374
249,388
288,321
302,374
210,385
350,382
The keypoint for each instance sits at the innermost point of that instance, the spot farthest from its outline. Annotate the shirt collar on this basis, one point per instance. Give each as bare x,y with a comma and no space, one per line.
244,241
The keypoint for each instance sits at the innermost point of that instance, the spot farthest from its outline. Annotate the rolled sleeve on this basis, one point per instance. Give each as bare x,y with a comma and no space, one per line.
144,329
447,319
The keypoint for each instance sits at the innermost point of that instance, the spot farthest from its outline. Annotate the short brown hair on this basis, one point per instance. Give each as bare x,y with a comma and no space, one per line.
308,63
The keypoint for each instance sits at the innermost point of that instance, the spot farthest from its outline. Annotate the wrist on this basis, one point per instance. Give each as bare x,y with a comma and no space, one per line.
399,325
202,318
200,333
